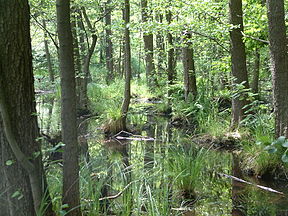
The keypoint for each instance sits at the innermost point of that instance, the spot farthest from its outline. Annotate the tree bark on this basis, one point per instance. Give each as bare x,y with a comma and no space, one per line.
255,78
171,56
148,45
127,63
160,47
190,85
71,194
279,65
20,152
238,59
109,46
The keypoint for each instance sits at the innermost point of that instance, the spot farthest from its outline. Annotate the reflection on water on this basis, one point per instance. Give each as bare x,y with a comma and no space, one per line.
156,191
167,176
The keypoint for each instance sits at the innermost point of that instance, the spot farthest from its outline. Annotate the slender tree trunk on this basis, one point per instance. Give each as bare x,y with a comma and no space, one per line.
20,152
109,46
279,65
190,85
127,64
51,75
48,56
238,59
160,47
171,55
255,78
71,194
86,78
148,45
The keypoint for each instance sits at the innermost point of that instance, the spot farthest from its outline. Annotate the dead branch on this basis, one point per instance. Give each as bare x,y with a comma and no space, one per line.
250,183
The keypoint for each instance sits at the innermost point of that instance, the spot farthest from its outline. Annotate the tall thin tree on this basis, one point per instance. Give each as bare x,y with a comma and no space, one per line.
71,194
127,63
238,59
190,85
148,44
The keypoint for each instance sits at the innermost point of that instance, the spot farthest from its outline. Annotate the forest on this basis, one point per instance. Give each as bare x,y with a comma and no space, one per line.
143,107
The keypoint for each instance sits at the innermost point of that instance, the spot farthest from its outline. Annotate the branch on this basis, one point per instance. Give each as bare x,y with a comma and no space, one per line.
45,29
116,195
250,183
211,38
254,38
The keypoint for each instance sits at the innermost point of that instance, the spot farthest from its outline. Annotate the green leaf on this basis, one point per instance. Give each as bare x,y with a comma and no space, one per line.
270,149
258,143
9,162
285,158
20,197
285,144
280,140
16,194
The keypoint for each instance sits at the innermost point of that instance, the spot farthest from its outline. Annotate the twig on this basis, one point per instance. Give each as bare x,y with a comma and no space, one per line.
211,38
45,29
254,38
250,183
116,195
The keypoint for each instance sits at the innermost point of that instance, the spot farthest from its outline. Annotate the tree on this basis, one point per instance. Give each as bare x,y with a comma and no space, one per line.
238,59
171,55
148,45
279,65
109,45
188,66
127,63
71,194
21,159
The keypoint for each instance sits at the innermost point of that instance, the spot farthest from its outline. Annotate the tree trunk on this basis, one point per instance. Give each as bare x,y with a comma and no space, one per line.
109,46
71,194
171,55
255,78
148,46
189,68
20,152
279,65
238,59
127,64
160,48
48,56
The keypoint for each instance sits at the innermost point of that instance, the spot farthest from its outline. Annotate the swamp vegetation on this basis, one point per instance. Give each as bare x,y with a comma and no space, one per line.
151,107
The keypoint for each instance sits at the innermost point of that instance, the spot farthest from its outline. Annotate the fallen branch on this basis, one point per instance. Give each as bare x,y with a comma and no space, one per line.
132,137
116,195
136,138
250,183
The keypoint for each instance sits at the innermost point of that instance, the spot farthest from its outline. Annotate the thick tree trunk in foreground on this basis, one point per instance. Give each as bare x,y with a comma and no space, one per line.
189,68
279,65
238,59
71,195
148,46
22,170
127,64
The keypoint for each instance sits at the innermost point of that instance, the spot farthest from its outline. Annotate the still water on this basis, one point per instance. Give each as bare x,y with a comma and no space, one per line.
171,175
